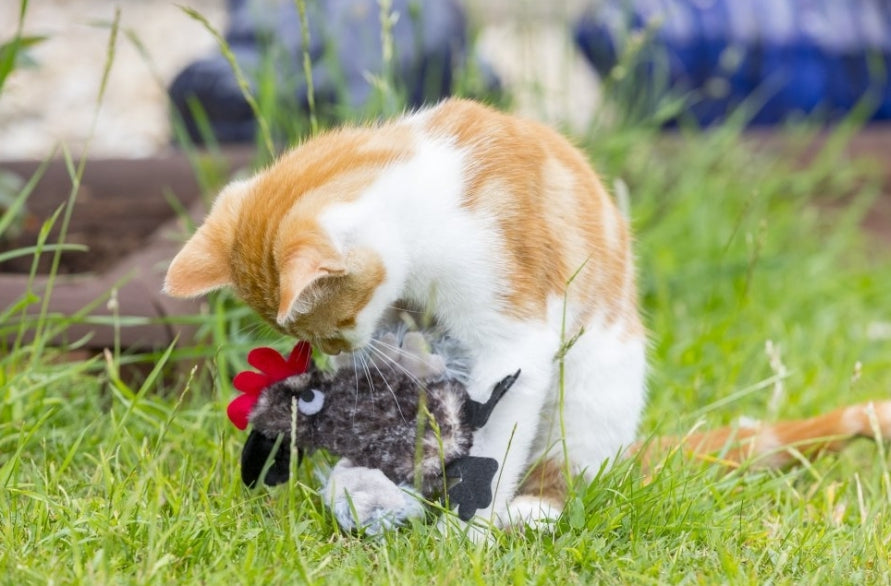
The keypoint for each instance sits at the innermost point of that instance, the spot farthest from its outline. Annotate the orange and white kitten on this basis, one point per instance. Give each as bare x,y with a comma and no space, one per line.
499,228
495,225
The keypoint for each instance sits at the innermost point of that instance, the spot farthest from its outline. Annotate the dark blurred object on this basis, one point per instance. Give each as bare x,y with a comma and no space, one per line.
429,44
785,57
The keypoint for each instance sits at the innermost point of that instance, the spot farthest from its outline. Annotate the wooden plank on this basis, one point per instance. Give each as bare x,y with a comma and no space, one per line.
121,203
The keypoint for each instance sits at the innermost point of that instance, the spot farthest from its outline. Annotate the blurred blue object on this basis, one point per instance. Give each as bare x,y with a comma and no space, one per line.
345,48
782,57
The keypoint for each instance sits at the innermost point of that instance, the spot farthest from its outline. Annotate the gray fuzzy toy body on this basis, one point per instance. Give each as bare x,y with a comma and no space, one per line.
374,420
417,431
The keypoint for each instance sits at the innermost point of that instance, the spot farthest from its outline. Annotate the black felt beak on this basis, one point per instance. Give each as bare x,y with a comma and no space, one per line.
262,453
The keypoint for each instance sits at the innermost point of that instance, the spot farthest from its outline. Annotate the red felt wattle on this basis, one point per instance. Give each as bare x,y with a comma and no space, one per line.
273,367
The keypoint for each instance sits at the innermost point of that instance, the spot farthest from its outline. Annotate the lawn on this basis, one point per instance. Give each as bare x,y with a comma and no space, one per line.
763,297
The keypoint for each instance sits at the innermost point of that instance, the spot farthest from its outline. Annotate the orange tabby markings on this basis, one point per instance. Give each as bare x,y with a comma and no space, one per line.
547,481
298,270
553,212
777,444
260,230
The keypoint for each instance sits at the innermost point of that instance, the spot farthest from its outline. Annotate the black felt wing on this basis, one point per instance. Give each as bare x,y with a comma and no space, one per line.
470,484
475,414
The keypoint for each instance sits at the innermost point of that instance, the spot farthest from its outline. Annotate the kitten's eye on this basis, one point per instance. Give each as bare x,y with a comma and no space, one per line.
310,401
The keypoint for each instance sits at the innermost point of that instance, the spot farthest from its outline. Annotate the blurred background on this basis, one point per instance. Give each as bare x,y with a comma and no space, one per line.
52,95
770,60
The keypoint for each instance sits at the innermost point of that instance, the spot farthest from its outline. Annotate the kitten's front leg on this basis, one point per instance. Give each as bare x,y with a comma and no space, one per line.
511,429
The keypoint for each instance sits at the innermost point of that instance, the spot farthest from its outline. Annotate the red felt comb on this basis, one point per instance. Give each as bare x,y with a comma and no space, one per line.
273,367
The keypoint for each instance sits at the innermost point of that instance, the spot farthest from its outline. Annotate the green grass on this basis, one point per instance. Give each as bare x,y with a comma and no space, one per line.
103,480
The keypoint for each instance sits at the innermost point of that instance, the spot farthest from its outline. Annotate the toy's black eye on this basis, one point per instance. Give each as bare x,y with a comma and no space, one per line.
311,401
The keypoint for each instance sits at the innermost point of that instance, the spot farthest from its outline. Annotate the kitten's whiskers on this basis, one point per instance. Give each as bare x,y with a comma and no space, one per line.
386,382
395,363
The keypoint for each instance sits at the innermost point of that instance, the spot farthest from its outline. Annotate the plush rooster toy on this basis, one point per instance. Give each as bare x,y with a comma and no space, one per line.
406,414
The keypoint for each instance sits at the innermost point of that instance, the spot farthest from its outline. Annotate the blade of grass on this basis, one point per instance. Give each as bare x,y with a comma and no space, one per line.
11,50
307,66
42,237
12,211
29,250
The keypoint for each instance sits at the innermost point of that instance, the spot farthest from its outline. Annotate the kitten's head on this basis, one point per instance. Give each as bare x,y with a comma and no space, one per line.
267,239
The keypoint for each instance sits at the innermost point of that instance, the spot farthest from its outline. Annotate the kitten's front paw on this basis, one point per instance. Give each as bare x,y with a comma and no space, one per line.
530,511
364,498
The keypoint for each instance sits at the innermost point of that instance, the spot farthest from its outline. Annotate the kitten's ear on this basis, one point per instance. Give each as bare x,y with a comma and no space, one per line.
203,263
200,267
301,270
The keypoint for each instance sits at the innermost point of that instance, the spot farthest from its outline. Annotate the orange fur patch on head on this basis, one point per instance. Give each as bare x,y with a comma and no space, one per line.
337,301
556,218
267,242
297,272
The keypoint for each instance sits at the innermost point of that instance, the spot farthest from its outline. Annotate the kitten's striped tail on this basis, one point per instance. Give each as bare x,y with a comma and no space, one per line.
774,445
